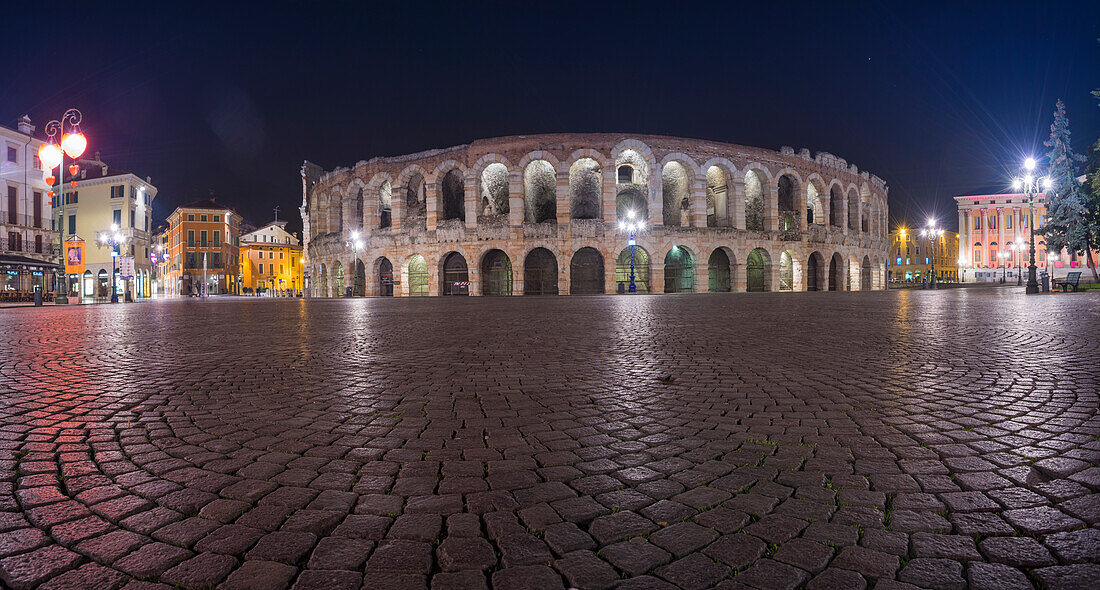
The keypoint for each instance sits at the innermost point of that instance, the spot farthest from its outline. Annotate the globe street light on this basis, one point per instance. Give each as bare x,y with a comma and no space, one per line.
52,155
1030,185
113,239
356,244
1052,257
1019,248
1002,255
632,228
932,233
960,270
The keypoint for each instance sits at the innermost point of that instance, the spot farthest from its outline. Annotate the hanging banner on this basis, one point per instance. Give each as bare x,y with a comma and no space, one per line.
126,267
74,256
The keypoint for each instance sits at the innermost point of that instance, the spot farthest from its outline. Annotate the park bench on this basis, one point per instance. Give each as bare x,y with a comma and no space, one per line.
1072,278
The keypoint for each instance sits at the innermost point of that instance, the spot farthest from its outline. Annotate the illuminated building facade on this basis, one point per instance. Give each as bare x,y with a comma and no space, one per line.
271,261
912,256
203,239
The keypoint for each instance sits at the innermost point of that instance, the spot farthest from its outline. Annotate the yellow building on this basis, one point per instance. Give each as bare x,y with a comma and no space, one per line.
271,261
911,256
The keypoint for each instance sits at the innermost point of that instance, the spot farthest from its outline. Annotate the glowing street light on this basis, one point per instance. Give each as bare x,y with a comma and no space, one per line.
113,239
1030,185
356,244
632,228
932,233
52,155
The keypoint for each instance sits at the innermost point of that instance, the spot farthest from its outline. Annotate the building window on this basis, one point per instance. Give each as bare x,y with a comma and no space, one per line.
992,222
926,260
117,191
116,217
202,218
1008,223
38,244
280,255
13,155
217,238
217,218
261,268
1023,222
898,263
191,238
191,260
261,253
74,197
907,261
37,209
978,223
13,201
132,217
202,238
72,224
191,217
280,268
626,174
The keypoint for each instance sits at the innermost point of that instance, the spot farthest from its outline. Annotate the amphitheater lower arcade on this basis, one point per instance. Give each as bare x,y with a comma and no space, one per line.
543,215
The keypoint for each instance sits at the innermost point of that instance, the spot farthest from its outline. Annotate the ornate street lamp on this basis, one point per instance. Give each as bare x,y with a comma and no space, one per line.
632,228
1052,257
114,240
1030,184
52,155
1019,248
932,233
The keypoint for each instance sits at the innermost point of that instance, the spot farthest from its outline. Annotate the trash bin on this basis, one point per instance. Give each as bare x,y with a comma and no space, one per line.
924,284
37,298
1045,278
347,291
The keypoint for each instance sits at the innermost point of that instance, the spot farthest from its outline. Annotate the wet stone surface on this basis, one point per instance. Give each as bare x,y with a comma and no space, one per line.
858,440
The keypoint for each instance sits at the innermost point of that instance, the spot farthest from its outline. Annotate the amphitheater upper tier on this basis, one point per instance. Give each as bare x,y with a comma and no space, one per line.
550,214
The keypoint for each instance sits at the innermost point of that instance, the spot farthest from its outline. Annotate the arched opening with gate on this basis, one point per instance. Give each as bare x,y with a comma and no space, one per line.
586,272
359,287
418,276
865,275
540,273
385,205
758,271
496,274
786,271
641,270
338,288
814,266
679,270
385,277
836,273
456,275
719,272
785,190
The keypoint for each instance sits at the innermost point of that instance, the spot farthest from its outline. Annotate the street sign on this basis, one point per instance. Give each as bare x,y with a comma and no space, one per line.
126,267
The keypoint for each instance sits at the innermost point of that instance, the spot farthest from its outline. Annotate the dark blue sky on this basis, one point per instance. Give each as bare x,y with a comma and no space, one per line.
939,100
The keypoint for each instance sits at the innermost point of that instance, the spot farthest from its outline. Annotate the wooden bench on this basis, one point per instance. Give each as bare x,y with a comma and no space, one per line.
1072,278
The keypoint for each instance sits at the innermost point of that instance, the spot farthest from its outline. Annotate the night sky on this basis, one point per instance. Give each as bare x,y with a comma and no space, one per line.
939,100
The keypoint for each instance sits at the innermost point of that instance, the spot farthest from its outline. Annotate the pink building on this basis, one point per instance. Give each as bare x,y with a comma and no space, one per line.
993,238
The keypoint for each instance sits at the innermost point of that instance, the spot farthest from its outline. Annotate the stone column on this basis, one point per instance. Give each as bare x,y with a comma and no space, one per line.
397,207
561,195
844,215
470,202
771,207
473,272
701,279
607,196
697,203
515,199
800,205
656,275
431,199
434,278
738,283
655,199
737,190
610,284
772,279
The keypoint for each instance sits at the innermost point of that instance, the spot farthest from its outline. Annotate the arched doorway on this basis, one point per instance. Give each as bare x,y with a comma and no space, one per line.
456,276
813,269
865,275
679,270
385,277
104,289
786,272
338,290
641,270
540,273
835,266
719,277
496,274
757,267
418,276
359,289
586,272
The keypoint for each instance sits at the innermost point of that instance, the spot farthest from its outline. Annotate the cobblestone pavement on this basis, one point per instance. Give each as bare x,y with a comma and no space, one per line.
832,440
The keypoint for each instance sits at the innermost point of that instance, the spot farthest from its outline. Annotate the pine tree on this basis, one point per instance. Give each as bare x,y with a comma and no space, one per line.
1091,195
1066,225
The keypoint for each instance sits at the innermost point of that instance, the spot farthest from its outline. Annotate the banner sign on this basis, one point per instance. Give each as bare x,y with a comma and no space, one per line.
74,257
126,267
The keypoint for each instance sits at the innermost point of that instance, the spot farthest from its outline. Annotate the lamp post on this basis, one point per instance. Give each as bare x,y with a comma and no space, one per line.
356,244
1019,248
632,228
960,270
1052,257
1029,183
1002,255
52,154
932,233
113,239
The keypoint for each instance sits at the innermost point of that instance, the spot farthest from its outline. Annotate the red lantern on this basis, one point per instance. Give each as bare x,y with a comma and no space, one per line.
73,169
49,180
49,194
72,183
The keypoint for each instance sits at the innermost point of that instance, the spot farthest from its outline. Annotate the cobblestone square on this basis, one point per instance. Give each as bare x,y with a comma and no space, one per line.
828,440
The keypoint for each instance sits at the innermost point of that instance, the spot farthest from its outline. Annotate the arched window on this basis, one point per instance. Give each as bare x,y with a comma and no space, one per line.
626,174
453,194
754,201
494,189
585,189
539,192
717,197
675,189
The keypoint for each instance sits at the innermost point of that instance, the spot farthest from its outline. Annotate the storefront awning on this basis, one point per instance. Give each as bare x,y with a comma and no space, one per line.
17,262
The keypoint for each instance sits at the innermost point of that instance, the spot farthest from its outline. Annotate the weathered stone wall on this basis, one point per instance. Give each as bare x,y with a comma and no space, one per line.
570,183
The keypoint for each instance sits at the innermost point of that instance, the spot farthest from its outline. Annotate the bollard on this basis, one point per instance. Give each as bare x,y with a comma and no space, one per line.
37,298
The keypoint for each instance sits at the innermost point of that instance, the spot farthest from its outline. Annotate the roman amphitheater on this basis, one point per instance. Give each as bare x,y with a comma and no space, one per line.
544,215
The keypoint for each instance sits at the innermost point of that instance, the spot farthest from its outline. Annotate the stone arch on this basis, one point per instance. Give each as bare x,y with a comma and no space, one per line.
451,182
836,273
787,270
356,193
679,270
415,276
816,200
540,199
815,272
853,208
641,270
413,181
359,281
496,273
492,172
382,270
585,188
787,189
758,271
720,270
644,162
678,173
454,274
756,179
540,272
866,281
837,204
719,174
586,272
381,187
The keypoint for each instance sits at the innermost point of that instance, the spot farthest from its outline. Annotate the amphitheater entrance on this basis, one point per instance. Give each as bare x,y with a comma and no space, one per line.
586,272
757,267
813,268
418,276
834,273
786,272
718,272
496,274
865,275
456,275
679,270
359,287
338,290
385,277
540,273
641,270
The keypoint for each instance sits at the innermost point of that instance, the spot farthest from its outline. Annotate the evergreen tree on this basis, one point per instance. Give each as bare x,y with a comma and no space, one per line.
1091,194
1066,225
